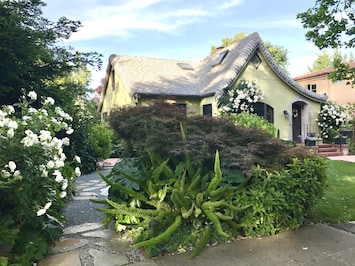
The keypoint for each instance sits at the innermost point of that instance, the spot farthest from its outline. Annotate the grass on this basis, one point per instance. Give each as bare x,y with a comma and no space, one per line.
338,203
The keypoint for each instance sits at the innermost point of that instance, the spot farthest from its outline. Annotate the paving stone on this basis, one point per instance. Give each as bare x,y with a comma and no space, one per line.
85,198
85,194
102,258
107,234
63,259
81,228
104,191
68,244
90,189
119,246
144,263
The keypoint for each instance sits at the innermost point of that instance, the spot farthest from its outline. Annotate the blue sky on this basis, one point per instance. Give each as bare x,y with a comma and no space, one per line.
182,29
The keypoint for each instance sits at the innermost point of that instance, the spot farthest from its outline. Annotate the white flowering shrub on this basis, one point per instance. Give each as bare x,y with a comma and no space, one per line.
240,98
330,119
35,175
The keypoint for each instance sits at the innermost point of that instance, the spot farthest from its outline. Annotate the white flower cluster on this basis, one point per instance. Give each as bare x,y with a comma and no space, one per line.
241,98
35,130
330,118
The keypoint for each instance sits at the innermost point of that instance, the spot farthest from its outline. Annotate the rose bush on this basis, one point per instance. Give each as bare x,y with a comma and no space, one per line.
35,177
240,98
331,117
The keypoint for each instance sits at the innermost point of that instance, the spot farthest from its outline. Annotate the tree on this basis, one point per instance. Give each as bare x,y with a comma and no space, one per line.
278,52
330,24
323,61
30,54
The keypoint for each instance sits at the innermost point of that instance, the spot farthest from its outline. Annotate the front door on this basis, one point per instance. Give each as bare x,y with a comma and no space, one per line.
296,122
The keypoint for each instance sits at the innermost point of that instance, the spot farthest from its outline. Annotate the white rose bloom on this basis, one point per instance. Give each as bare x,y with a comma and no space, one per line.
12,166
49,100
58,176
65,184
5,173
69,131
17,173
32,95
77,158
77,171
12,124
63,194
50,164
41,212
10,133
48,205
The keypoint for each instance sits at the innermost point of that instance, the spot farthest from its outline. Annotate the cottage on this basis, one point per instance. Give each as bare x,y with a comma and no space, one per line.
196,86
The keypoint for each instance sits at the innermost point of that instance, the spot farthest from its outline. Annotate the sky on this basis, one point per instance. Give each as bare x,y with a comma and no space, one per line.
182,29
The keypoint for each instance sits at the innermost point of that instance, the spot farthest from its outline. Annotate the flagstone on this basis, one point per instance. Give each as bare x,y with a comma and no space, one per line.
68,244
87,194
85,198
107,234
102,258
82,228
62,259
120,246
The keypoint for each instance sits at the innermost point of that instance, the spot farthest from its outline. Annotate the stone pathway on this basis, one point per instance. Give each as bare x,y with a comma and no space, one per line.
85,241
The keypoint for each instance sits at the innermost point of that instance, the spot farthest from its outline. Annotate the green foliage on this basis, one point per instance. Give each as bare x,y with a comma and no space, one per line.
278,53
162,201
31,56
283,199
156,129
100,140
330,24
216,195
35,177
249,120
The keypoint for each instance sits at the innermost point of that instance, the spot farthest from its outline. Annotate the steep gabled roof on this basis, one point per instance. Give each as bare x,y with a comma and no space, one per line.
153,76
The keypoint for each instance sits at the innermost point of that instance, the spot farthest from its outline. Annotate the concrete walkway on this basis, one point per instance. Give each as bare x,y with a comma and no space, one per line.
87,243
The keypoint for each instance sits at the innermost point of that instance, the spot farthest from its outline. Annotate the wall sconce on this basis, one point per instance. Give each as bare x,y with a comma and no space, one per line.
286,114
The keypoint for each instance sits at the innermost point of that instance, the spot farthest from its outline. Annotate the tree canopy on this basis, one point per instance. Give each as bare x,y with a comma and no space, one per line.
278,52
330,24
30,55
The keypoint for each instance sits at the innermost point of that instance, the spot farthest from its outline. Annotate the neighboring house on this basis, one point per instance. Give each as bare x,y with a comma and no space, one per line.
196,86
338,92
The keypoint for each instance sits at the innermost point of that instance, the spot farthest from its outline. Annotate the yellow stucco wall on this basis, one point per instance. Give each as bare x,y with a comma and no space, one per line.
280,96
115,97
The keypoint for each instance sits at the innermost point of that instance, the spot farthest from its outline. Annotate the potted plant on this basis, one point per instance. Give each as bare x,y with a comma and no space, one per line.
310,139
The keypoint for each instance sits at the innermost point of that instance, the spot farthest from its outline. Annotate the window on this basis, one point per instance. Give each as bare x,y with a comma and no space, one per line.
312,87
265,111
255,60
113,83
219,59
185,66
207,109
181,108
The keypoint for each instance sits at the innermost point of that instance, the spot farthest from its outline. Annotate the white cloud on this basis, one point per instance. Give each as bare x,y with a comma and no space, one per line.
231,3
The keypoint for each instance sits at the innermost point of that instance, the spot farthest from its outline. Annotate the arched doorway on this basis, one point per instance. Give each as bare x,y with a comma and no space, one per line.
297,121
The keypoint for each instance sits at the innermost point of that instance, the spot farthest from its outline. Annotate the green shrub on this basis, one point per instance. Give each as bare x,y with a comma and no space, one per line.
100,141
267,185
157,129
170,208
249,120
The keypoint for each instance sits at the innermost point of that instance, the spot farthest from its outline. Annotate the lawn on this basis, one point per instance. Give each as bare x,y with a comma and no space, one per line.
338,203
